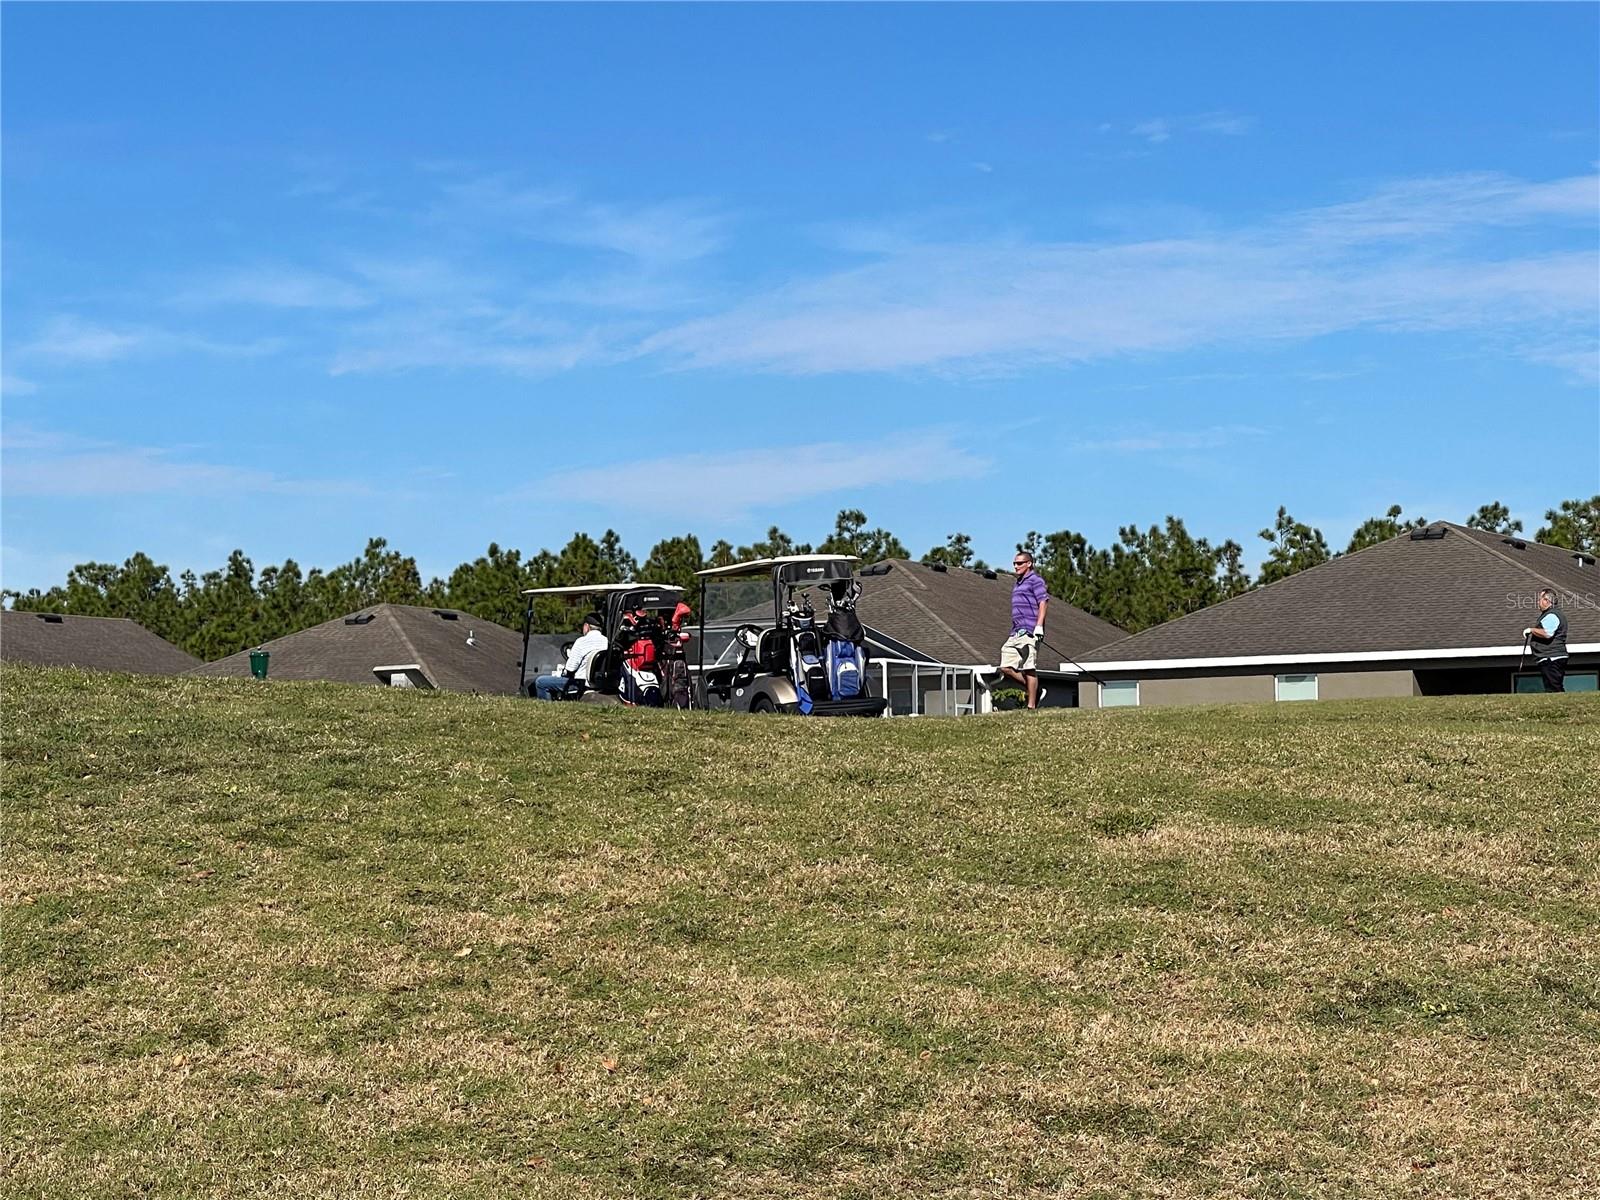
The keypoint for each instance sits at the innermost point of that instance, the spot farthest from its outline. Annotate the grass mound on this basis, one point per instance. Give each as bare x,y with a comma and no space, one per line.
318,940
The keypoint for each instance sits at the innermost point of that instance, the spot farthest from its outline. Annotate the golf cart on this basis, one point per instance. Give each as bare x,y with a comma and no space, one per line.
772,656
643,662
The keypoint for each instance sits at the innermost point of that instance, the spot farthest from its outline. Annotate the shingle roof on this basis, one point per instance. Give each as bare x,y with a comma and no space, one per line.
1465,589
93,643
346,650
962,617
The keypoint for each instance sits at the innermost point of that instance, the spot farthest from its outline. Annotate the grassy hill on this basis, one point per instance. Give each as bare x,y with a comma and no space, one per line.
314,940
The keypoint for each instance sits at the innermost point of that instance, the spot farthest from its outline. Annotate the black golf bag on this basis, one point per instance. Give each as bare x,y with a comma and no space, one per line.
675,675
845,643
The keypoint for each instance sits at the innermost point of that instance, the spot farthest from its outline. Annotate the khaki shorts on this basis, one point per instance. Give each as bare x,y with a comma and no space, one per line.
1018,652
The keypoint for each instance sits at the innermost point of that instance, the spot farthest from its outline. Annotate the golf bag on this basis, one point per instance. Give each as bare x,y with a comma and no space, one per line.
640,683
845,654
679,694
640,688
810,671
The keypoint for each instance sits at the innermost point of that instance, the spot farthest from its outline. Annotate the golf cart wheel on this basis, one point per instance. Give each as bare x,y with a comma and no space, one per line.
763,705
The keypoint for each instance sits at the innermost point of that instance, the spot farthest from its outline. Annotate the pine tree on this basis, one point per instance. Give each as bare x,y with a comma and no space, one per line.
491,586
851,536
1494,518
956,552
777,545
675,561
1295,547
1575,525
1380,529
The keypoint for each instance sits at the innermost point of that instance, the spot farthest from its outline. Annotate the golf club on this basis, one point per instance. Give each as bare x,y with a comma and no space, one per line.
1066,658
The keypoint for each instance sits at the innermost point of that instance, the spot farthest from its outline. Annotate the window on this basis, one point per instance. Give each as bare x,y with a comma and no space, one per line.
1581,681
1119,693
1296,687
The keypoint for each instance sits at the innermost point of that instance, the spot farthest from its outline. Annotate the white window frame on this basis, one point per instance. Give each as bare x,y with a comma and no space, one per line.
1298,676
1136,697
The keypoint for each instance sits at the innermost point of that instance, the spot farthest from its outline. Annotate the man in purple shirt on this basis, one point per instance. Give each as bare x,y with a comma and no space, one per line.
1019,655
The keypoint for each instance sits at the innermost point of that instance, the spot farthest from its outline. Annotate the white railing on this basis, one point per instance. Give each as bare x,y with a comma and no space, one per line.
955,682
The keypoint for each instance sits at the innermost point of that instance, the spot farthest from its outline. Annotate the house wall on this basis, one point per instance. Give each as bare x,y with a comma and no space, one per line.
1365,685
1216,689
1224,687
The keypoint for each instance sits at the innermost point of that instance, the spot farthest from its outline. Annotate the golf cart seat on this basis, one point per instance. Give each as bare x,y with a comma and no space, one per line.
771,651
582,682
599,671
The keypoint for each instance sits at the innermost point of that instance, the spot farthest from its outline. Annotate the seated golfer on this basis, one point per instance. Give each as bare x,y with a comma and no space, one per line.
1547,638
590,641
1020,653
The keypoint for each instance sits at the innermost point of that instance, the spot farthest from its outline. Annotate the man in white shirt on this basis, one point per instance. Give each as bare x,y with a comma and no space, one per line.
590,641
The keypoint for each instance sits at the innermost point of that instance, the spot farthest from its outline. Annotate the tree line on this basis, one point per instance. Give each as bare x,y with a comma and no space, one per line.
1146,577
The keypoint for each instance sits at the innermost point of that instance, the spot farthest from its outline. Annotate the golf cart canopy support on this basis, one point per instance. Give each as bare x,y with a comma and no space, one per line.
598,589
790,568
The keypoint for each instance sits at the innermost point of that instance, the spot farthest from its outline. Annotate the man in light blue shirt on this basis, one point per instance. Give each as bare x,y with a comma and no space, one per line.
1548,638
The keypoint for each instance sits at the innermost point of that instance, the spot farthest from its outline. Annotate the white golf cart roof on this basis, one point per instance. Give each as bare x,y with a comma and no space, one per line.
595,589
766,564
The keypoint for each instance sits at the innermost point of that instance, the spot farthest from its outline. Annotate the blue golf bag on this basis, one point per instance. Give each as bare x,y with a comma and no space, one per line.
846,643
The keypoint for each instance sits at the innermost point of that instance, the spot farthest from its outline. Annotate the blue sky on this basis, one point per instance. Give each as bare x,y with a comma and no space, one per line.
284,277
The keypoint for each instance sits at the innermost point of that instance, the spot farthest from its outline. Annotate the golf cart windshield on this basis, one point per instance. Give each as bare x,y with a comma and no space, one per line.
757,593
558,609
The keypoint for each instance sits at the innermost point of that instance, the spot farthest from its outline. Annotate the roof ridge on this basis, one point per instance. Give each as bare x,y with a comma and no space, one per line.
50,612
944,625
409,644
1508,560
1529,538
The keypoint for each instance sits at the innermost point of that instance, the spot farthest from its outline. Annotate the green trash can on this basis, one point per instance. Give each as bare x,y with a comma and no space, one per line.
258,662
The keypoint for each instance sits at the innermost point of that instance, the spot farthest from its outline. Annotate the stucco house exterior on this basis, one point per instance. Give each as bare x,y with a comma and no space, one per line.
1436,611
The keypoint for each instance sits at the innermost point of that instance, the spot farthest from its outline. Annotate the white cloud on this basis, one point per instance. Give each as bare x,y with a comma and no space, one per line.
658,234
45,463
270,286
579,296
1381,263
1156,130
1229,124
730,485
14,385
72,339
1172,440
1449,206
600,283
461,349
